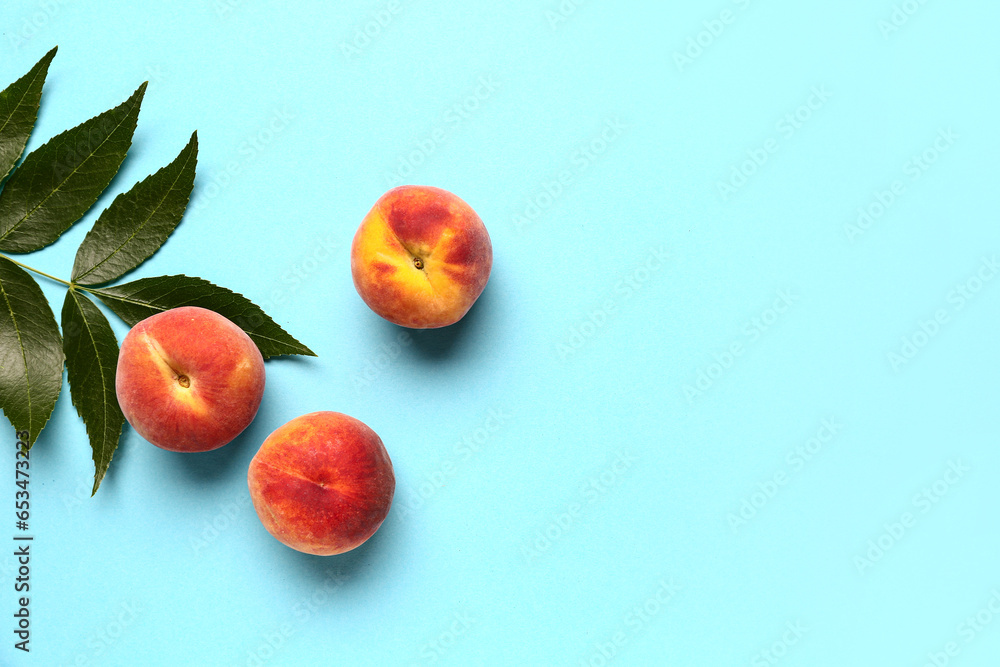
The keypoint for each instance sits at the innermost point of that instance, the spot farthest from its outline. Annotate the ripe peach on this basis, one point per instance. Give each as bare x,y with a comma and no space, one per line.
188,379
322,483
421,257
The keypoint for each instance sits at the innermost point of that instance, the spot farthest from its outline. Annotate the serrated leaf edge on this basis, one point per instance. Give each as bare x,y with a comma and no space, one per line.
47,59
74,294
101,294
194,155
77,167
31,436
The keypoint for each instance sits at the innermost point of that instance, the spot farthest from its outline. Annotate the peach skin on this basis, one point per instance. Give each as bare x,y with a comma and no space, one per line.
188,379
322,484
421,257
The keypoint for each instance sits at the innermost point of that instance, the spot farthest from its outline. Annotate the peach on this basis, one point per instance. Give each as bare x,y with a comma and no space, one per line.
188,379
322,483
421,257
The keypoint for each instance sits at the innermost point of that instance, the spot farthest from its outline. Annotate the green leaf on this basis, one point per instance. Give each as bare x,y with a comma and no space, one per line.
18,111
91,360
137,222
31,355
138,300
58,182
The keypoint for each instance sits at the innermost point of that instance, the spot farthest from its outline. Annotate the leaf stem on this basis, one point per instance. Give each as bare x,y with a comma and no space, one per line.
34,270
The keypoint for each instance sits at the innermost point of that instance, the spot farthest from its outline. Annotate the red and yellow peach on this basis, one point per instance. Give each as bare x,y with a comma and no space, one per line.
322,483
421,257
188,379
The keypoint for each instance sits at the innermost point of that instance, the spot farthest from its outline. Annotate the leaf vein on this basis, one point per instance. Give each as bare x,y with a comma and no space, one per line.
138,229
20,342
72,173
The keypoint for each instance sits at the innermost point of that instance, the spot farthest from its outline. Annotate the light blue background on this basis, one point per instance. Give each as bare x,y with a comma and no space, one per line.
169,565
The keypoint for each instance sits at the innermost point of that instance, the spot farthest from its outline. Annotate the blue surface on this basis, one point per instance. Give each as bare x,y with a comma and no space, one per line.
570,486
